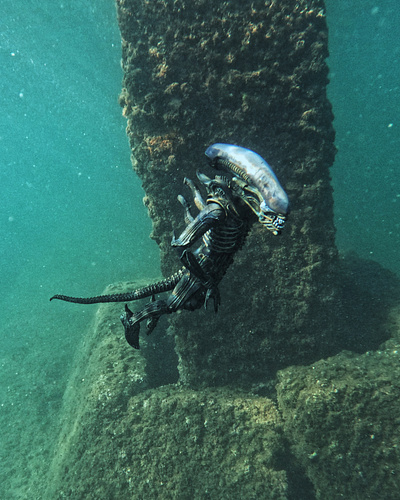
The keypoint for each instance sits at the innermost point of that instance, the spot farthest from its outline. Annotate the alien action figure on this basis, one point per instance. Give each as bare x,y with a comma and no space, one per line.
249,192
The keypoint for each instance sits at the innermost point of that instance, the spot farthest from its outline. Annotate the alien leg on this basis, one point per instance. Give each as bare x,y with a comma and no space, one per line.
131,320
187,294
199,266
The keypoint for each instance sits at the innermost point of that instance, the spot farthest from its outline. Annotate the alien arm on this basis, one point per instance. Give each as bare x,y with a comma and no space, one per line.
211,216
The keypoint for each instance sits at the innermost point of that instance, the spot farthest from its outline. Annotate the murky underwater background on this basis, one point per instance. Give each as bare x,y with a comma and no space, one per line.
72,218
364,41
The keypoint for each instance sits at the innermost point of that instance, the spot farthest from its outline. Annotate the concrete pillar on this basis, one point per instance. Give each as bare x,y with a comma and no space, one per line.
253,74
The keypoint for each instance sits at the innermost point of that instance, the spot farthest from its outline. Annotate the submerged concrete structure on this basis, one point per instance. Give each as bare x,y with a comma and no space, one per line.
252,74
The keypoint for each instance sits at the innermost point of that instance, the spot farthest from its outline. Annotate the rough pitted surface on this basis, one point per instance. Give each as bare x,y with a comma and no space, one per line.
342,417
121,439
254,74
176,443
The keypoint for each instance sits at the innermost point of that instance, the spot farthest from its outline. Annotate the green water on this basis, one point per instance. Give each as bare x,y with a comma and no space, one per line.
365,92
72,218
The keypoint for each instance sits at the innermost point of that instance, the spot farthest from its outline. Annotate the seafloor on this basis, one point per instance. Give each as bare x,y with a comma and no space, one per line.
292,390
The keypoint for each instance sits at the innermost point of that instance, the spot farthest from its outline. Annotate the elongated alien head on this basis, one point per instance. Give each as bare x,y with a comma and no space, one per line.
257,182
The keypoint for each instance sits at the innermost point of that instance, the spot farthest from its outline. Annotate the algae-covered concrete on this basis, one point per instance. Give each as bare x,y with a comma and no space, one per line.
177,443
254,74
342,417
121,438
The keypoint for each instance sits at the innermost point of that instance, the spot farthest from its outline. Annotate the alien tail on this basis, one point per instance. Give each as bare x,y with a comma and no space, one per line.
164,285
